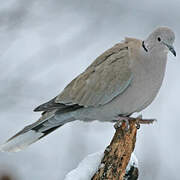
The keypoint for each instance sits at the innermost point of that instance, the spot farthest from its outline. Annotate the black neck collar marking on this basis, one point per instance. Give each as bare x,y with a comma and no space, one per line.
144,47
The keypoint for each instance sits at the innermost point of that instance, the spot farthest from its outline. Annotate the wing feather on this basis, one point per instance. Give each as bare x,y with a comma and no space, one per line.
107,77
102,81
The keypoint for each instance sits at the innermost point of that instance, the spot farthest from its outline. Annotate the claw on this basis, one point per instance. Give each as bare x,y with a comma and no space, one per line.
138,125
137,122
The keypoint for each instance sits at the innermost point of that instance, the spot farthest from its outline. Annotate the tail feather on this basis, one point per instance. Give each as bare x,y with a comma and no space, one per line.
32,133
25,138
21,141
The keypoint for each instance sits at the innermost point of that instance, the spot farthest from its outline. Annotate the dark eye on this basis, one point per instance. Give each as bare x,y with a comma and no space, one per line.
159,39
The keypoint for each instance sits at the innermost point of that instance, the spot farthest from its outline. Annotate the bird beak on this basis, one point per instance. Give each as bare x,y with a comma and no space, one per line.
171,48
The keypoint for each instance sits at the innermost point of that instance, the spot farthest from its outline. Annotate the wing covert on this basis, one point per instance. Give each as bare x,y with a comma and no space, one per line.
107,77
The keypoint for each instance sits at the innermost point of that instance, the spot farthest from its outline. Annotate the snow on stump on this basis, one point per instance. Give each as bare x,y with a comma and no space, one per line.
117,155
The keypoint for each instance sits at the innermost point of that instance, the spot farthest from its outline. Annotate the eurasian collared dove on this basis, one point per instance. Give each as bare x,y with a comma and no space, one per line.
123,80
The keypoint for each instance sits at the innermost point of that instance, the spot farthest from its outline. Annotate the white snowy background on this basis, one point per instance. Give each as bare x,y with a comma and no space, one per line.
44,45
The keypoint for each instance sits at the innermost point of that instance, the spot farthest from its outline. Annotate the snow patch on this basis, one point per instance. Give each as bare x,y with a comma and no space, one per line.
89,165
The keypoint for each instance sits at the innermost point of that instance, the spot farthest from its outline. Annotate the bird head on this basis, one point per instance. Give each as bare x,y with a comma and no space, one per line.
161,40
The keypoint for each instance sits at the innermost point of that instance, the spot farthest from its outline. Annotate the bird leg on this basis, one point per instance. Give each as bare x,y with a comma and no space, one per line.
139,120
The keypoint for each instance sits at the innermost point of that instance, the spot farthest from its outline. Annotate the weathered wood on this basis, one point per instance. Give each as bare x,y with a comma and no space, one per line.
117,155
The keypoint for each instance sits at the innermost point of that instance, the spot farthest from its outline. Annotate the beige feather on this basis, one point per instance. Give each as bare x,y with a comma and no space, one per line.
108,76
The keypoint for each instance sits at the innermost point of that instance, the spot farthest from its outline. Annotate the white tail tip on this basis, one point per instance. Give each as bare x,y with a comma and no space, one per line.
21,141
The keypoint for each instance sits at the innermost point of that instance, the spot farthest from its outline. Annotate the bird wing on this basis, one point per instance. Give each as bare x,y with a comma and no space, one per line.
107,77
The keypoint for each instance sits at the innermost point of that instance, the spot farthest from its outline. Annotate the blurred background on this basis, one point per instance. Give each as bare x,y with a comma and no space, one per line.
44,45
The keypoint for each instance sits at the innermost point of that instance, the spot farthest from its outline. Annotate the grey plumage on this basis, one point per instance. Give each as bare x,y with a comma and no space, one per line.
123,80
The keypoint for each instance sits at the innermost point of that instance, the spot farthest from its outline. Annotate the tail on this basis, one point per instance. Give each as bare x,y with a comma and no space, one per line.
22,140
31,134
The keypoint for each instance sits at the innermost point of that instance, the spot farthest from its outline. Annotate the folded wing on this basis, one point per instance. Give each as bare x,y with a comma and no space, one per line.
107,77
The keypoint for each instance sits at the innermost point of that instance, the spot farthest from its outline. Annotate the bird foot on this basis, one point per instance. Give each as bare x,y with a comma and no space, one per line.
120,120
139,120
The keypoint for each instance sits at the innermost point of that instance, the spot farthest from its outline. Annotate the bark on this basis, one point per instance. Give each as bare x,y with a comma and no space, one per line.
117,155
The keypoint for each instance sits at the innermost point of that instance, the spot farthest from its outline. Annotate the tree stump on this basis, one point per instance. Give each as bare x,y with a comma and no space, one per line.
118,153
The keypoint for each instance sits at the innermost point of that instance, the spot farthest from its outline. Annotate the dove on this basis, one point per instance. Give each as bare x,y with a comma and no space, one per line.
123,80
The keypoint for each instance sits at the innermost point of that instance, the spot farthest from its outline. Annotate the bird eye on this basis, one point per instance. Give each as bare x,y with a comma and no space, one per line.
159,39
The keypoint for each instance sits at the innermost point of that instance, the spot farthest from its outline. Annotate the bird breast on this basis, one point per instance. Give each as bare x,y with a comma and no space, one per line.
147,80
